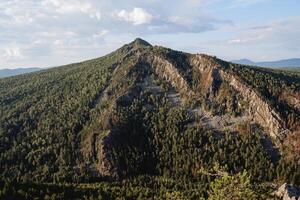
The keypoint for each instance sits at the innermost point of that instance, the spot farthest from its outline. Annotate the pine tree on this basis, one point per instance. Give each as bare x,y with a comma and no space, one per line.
237,187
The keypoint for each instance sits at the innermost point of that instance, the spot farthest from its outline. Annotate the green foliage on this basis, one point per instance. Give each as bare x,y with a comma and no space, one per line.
42,115
161,141
237,187
175,196
138,188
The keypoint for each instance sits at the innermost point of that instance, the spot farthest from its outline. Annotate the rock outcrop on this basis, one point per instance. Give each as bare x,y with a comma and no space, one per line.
292,98
166,70
259,109
288,192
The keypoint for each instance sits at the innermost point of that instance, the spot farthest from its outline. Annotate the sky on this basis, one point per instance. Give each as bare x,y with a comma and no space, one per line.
45,33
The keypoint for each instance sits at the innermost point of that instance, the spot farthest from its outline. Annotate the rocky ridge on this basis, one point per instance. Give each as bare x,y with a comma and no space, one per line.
149,60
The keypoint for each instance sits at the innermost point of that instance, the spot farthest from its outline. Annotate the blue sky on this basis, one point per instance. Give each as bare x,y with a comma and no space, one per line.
43,33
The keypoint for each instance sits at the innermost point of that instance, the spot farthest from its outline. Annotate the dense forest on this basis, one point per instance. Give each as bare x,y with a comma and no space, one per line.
127,126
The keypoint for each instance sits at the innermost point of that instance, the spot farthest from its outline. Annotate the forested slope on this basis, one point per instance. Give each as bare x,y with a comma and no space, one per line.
149,121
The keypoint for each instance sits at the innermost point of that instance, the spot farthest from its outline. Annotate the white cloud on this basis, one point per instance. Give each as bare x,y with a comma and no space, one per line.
13,52
52,32
58,42
73,6
56,34
197,2
249,1
180,20
18,17
276,33
247,39
186,24
19,12
238,3
100,34
137,16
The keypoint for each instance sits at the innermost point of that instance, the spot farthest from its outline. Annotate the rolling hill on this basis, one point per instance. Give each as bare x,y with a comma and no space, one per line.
146,122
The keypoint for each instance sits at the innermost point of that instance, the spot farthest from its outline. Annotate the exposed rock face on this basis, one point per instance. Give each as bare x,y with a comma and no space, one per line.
98,149
103,148
288,192
209,74
259,109
169,72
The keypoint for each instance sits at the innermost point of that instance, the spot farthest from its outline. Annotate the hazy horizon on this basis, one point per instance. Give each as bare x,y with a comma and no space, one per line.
78,61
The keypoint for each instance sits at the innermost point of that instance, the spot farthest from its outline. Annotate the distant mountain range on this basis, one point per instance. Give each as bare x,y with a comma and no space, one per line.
18,71
293,63
286,63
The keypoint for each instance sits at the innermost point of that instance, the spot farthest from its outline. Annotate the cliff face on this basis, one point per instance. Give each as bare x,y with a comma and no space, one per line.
259,110
104,157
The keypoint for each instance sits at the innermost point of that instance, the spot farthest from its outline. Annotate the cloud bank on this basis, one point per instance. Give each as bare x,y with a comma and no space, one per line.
54,32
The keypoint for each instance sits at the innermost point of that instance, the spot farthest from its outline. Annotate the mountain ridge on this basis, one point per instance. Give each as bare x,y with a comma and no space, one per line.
18,71
284,63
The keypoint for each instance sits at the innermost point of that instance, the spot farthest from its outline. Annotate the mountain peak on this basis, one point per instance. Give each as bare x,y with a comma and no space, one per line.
243,61
138,42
